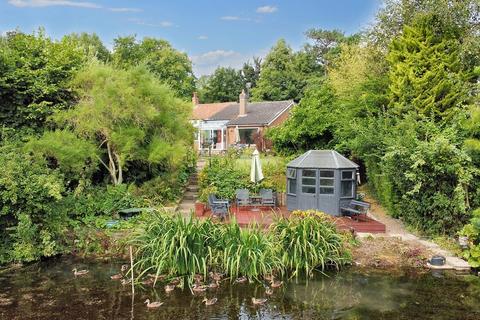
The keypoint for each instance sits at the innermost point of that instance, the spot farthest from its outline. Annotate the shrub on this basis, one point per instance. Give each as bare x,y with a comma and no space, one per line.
309,240
174,245
249,252
472,231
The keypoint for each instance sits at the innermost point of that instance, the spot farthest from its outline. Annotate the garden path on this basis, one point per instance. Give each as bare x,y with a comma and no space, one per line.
396,229
187,205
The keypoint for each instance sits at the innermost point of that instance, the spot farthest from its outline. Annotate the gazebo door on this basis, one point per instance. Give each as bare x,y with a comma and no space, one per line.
308,189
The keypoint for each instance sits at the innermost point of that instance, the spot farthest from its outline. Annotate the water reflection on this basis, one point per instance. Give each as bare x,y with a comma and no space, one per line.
49,290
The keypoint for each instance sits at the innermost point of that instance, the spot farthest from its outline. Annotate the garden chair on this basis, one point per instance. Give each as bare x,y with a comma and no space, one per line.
242,197
355,209
268,199
219,207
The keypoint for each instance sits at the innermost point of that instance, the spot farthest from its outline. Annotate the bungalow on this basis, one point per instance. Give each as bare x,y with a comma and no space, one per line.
227,124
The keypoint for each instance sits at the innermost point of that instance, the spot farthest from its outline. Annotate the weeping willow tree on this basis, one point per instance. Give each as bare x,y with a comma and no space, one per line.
130,116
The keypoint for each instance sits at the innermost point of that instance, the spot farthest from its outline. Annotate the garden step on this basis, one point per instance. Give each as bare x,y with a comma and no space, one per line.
189,195
193,188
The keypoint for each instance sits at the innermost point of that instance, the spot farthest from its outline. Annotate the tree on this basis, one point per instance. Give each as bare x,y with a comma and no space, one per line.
311,123
35,72
90,44
426,74
131,117
251,71
224,85
284,74
169,65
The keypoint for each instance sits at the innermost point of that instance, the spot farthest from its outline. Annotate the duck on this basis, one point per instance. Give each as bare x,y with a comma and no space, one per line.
268,277
209,302
155,304
120,275
159,277
79,272
169,288
242,279
268,291
213,285
125,281
148,281
276,284
175,281
216,276
198,278
259,301
199,288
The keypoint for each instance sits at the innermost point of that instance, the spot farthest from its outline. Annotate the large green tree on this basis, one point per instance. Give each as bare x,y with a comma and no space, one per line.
169,65
131,117
91,44
34,76
224,85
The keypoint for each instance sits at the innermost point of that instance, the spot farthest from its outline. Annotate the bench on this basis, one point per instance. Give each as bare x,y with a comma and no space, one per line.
355,208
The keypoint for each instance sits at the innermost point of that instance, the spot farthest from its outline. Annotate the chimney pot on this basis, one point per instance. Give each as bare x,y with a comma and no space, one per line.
195,99
243,101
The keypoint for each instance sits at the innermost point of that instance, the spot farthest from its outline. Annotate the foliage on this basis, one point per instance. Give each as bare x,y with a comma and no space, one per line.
169,65
131,117
34,76
224,85
90,44
472,231
176,246
308,241
222,175
28,192
284,74
249,252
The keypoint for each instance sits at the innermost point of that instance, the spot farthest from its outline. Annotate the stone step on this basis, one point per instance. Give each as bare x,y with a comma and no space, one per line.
189,195
193,188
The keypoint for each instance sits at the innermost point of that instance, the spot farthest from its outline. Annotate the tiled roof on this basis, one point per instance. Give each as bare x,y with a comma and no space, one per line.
323,159
205,111
258,113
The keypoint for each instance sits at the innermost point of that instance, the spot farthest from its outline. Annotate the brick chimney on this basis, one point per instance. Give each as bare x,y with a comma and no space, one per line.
242,112
195,99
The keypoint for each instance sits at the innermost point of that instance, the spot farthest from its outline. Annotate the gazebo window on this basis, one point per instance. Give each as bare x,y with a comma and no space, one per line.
292,181
327,182
347,184
309,181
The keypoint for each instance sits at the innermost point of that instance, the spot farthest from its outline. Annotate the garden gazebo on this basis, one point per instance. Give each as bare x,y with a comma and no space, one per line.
322,180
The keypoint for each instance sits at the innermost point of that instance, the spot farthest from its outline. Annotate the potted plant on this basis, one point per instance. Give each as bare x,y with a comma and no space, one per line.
199,208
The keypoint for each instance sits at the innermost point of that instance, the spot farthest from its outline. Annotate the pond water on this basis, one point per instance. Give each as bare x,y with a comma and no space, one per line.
49,290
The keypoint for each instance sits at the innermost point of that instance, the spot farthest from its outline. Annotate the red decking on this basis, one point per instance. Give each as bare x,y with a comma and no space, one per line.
265,216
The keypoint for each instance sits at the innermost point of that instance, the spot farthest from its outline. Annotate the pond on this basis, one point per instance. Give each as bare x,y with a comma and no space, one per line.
49,290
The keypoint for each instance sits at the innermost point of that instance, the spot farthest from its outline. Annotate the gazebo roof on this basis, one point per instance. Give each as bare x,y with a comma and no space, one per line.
324,159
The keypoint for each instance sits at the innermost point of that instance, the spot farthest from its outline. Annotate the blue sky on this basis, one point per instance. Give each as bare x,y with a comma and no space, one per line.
212,32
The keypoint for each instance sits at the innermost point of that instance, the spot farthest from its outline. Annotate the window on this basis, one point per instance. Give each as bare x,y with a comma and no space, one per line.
247,136
347,184
292,186
309,181
291,173
327,182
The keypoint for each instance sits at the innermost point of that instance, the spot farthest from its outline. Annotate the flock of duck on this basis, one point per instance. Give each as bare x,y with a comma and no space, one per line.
197,287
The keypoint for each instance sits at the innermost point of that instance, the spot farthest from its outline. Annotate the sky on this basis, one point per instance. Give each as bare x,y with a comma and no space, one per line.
212,32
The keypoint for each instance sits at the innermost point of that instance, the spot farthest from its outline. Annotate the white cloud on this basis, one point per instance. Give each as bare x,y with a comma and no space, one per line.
161,24
207,62
202,37
267,9
230,18
125,9
50,3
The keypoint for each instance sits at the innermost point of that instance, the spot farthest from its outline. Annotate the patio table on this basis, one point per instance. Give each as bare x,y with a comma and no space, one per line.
255,200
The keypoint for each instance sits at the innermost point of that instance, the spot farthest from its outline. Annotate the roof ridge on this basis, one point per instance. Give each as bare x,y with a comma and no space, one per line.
334,156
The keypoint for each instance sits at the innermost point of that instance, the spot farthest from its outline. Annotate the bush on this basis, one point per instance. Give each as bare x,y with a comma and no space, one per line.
309,240
29,191
472,231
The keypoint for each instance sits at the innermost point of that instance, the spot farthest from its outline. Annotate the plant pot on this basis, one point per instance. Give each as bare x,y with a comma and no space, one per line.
199,209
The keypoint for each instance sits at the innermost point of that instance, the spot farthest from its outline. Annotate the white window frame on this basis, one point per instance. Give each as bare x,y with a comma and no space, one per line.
320,186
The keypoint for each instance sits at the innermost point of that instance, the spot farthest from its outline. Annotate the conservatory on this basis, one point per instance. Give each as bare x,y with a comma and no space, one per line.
321,180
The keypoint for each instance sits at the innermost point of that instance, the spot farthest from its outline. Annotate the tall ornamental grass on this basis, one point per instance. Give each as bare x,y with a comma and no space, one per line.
177,246
307,242
248,252
174,245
